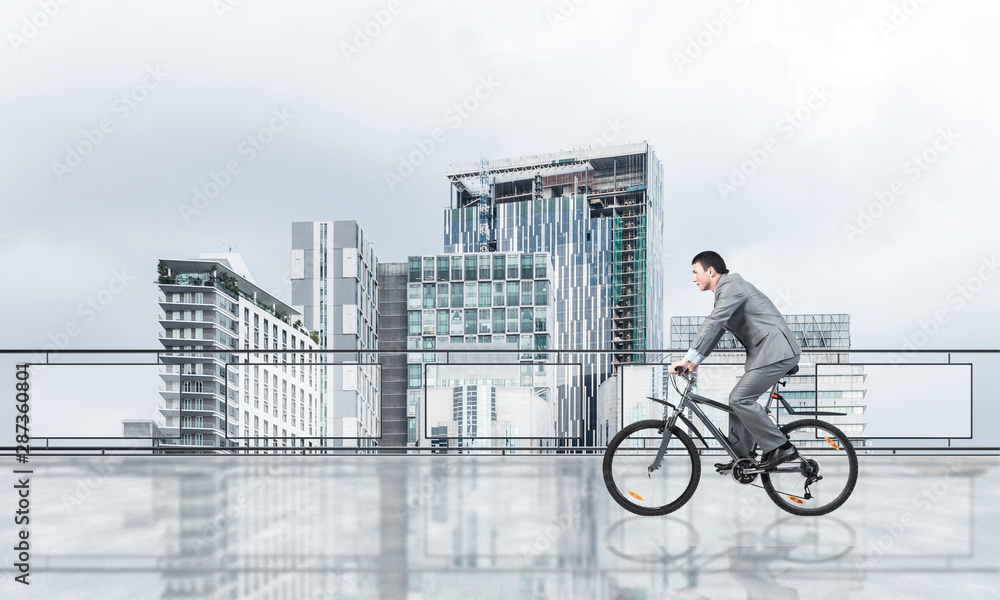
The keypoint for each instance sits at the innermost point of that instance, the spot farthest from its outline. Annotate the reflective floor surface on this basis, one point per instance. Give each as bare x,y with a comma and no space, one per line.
466,527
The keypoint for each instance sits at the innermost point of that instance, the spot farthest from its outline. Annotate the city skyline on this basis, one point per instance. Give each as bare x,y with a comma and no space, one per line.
860,150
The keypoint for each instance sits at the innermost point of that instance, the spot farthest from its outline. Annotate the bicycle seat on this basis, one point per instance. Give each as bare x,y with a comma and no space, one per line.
794,370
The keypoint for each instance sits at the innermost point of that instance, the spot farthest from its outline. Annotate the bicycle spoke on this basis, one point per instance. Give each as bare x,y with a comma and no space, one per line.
627,475
824,476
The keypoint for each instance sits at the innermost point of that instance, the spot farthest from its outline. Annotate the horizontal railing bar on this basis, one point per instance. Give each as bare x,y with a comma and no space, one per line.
453,450
171,352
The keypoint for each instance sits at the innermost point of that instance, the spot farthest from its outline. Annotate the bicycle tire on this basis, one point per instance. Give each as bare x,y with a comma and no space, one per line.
626,467
826,445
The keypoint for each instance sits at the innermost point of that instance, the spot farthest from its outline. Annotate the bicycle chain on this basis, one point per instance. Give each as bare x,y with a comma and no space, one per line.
778,491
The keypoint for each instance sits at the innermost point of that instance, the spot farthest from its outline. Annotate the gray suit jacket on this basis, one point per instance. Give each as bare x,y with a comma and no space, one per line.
752,318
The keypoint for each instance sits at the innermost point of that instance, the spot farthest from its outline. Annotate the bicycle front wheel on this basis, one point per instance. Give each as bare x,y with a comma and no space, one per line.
829,471
627,475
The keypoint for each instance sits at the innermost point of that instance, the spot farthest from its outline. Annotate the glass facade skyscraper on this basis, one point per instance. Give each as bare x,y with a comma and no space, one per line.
480,301
599,213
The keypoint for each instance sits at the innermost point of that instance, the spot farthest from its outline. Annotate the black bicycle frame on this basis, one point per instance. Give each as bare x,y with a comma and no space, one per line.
691,400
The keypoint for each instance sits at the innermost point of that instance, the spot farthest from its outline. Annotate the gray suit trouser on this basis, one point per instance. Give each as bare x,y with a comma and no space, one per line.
749,420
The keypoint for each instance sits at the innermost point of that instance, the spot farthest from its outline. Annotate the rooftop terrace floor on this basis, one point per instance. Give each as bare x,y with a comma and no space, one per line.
463,527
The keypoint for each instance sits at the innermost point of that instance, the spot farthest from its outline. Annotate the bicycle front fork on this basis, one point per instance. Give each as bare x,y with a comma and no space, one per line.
662,450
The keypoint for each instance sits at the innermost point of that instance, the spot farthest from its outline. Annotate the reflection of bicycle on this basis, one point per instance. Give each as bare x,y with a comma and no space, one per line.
652,467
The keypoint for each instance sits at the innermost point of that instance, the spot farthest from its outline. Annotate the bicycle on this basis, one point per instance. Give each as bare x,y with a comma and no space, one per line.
819,480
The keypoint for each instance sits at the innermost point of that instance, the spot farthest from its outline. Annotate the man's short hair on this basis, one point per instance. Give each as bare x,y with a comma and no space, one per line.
710,259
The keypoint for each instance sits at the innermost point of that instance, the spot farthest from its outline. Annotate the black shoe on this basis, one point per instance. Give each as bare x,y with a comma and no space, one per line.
722,468
777,456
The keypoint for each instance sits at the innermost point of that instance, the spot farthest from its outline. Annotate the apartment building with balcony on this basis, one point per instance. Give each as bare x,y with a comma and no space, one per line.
237,363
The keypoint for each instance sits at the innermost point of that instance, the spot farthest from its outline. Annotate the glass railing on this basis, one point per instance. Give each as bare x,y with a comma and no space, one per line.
551,402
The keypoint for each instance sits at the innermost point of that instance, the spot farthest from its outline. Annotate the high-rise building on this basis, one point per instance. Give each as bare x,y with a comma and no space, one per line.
214,397
599,214
334,281
460,304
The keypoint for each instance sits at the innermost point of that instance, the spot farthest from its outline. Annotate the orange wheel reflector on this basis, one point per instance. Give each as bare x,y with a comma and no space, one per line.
832,443
636,496
796,500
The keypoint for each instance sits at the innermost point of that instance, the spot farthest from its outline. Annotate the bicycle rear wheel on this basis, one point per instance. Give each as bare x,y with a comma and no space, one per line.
830,470
626,469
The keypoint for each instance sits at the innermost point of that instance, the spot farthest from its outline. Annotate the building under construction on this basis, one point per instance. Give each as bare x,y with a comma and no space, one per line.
599,213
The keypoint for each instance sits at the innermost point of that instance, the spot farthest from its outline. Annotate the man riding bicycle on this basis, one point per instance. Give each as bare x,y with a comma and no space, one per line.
771,353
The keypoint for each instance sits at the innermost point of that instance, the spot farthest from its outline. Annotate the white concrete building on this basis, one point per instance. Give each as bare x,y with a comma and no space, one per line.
263,398
334,281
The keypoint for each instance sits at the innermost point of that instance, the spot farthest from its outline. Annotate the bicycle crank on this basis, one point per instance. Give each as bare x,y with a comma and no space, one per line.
743,471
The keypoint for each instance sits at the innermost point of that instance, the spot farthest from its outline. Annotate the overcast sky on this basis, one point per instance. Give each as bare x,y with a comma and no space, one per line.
838,97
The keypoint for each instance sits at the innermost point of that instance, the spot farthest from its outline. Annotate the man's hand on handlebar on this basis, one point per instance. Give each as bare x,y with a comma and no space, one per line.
683,366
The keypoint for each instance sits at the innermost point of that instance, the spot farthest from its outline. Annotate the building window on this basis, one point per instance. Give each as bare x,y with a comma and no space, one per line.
512,266
498,267
484,294
470,294
413,295
527,320
498,320
414,269
498,294
541,314
541,266
484,267
413,376
527,266
484,320
470,268
513,293
541,293
442,268
526,287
